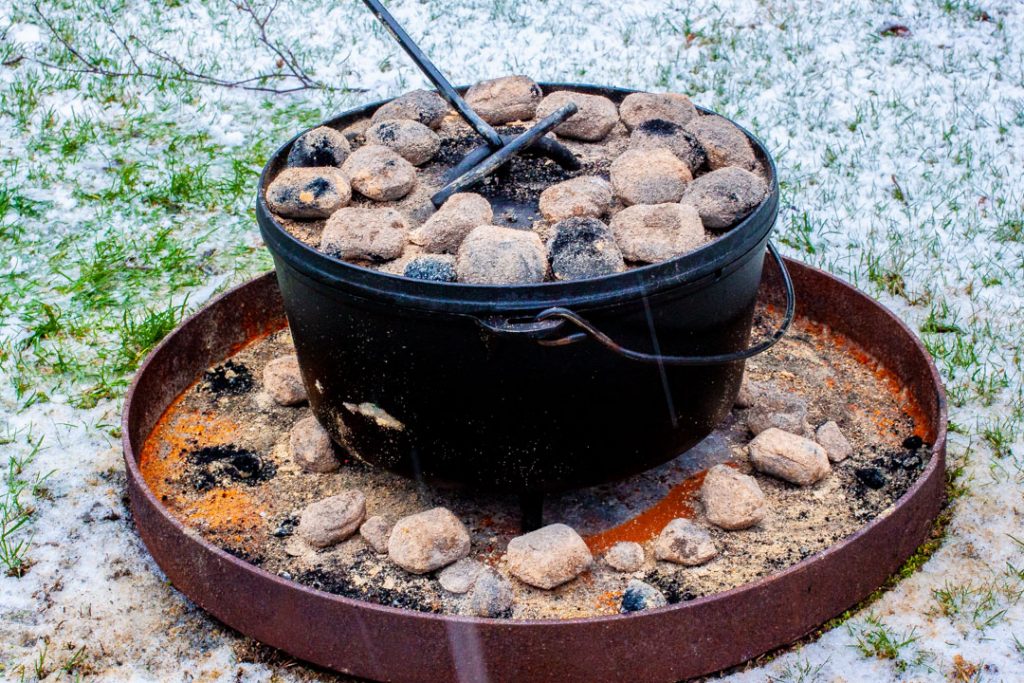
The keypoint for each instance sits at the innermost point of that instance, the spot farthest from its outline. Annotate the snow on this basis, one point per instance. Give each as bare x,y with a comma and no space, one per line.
845,111
26,34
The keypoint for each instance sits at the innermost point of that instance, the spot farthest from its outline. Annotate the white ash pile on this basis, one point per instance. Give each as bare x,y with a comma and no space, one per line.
674,179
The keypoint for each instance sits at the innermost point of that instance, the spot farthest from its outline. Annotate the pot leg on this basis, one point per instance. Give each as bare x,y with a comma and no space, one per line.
531,507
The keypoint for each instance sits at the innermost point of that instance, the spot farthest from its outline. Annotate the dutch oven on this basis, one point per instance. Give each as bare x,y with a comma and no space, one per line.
525,388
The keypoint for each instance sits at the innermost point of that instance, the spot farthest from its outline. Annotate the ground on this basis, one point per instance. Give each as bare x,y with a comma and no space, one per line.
131,135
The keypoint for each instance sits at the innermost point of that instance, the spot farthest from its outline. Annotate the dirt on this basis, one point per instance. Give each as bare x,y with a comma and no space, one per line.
219,461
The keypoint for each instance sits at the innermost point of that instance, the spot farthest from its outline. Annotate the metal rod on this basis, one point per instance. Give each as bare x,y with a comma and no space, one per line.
504,154
547,147
445,88
557,152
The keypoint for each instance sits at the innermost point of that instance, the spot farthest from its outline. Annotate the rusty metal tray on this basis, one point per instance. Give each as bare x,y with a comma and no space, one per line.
676,642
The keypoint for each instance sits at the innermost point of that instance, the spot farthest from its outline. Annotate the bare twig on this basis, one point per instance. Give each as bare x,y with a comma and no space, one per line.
284,54
117,36
183,72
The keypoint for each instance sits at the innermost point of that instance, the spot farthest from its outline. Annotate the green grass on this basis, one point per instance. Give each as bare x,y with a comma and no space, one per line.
800,671
17,491
138,333
874,639
161,211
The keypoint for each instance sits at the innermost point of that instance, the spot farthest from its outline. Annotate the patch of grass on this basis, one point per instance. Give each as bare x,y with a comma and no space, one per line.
186,184
889,280
1018,646
797,233
47,665
15,510
978,603
39,667
800,671
941,320
1000,435
74,663
1011,230
875,639
14,203
43,320
138,333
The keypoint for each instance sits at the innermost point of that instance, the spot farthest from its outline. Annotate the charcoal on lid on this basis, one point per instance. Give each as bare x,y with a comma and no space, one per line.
583,247
321,146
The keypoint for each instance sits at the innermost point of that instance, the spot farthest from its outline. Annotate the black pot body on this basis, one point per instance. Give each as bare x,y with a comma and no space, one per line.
449,383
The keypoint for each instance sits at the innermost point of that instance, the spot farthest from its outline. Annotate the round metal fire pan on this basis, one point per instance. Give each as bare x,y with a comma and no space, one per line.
672,643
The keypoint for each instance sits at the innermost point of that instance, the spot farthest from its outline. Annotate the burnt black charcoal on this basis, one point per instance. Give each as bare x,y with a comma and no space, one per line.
286,527
244,465
209,454
912,443
670,587
413,597
582,248
433,268
674,137
230,378
203,480
632,601
319,147
635,599
386,132
318,186
522,179
910,462
243,554
660,127
872,477
226,465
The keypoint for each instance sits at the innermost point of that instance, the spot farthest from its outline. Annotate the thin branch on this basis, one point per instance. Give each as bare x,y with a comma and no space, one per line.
284,54
172,77
183,73
117,36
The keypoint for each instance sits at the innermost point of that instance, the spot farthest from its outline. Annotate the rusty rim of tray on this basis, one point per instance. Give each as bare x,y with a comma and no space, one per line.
679,641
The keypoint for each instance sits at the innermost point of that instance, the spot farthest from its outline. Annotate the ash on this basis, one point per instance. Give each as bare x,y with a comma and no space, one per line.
801,520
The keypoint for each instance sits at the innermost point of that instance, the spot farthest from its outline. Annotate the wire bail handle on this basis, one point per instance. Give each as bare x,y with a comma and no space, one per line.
549,321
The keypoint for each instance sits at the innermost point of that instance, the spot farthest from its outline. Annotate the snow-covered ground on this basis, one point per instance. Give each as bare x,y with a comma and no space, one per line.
125,201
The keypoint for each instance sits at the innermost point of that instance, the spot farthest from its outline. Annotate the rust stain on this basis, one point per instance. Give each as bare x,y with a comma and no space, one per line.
181,430
178,432
225,509
608,602
650,522
904,398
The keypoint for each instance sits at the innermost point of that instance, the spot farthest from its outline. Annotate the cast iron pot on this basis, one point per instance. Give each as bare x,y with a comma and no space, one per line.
527,388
